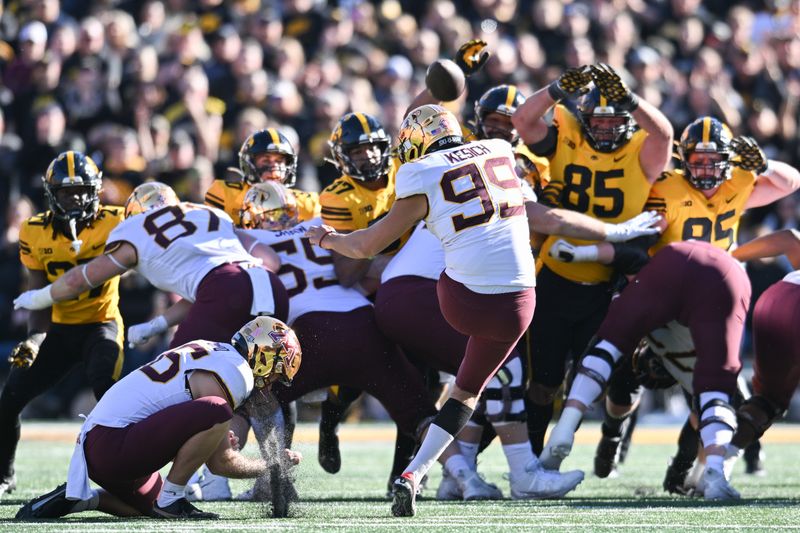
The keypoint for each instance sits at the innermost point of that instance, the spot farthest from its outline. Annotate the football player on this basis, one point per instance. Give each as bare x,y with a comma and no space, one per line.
719,178
189,249
603,160
266,155
705,290
84,330
149,419
488,296
777,360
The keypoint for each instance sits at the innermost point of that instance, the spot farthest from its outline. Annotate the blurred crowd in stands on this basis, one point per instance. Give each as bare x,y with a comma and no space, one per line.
169,89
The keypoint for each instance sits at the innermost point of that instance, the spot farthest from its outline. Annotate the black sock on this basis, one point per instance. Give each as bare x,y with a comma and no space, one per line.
539,417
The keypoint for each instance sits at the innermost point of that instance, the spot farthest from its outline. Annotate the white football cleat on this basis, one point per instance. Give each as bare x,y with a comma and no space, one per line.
717,488
448,488
536,482
208,487
474,487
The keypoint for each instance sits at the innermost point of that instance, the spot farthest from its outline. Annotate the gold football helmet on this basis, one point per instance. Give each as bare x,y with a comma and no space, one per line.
426,129
150,195
269,205
271,348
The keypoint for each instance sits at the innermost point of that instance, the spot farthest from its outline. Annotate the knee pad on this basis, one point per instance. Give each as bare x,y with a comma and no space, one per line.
717,417
503,400
759,413
592,372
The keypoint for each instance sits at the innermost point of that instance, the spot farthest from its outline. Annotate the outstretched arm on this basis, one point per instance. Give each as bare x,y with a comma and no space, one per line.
554,221
779,180
785,242
657,147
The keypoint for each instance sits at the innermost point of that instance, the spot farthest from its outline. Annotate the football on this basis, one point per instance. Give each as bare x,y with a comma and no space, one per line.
444,80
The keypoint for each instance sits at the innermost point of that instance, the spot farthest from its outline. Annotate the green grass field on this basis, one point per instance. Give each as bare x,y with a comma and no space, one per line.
353,500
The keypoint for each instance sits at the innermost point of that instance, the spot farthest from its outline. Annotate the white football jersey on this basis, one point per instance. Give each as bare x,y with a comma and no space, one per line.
476,209
162,383
178,245
793,277
307,273
422,255
674,344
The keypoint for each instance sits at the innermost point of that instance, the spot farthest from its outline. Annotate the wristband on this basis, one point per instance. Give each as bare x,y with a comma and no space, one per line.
587,253
556,92
323,238
159,324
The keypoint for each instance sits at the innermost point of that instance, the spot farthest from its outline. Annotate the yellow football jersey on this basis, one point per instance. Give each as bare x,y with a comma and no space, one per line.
690,215
611,187
229,196
534,169
349,206
43,248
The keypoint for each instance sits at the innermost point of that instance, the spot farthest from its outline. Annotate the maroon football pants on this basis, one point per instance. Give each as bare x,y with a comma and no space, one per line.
348,349
494,324
125,461
776,319
703,288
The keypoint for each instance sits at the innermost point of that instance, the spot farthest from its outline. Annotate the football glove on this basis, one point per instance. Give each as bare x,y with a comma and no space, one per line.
34,299
566,252
613,88
141,333
650,371
572,83
471,57
639,226
750,156
24,354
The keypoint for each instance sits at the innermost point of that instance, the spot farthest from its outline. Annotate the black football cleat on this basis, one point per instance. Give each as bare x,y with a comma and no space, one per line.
54,504
328,454
754,459
675,479
8,484
181,510
404,497
606,456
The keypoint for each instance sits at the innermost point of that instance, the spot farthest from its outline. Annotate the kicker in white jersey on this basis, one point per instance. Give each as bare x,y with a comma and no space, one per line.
475,203
177,245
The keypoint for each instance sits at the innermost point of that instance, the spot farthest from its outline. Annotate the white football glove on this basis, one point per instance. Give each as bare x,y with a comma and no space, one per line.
566,252
34,300
639,226
141,333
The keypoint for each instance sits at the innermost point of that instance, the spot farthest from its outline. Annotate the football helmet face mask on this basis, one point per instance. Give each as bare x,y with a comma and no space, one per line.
73,172
705,152
148,196
356,131
606,128
427,129
270,206
271,349
268,141
502,101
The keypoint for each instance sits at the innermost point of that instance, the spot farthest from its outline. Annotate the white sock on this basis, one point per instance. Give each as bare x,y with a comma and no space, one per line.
716,433
89,504
714,462
519,456
431,448
457,464
569,421
470,452
170,492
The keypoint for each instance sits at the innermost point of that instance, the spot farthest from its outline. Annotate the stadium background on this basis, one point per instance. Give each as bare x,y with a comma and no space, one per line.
169,90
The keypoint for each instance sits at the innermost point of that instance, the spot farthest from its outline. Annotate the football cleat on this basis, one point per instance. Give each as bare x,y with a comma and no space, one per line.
675,479
606,456
473,487
54,504
405,495
536,483
181,509
717,488
328,454
754,460
8,485
205,486
448,488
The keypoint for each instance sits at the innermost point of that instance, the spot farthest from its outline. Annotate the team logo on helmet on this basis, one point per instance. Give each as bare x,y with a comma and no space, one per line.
426,129
73,169
271,349
502,100
359,129
270,206
706,135
148,196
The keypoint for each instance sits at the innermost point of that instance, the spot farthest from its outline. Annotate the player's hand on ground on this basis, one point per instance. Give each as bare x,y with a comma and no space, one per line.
471,57
572,83
293,457
316,234
750,156
141,333
639,226
24,354
611,86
